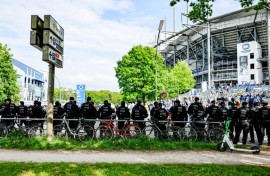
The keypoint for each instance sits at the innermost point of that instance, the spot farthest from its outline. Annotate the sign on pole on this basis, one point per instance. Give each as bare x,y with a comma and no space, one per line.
80,90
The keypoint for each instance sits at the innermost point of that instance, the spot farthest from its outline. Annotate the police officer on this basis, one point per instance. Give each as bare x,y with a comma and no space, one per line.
178,113
242,122
58,111
224,112
213,112
139,112
254,123
122,113
22,111
152,111
72,110
105,111
160,114
89,111
196,110
9,111
232,116
2,107
38,112
264,120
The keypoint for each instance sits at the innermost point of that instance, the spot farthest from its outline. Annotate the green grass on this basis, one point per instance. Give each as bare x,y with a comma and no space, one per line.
101,169
141,143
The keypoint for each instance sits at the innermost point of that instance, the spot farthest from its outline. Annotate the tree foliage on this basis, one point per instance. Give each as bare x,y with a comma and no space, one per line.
98,97
136,75
202,9
8,76
180,79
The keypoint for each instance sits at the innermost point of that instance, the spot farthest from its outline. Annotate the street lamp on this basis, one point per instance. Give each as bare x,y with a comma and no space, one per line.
159,29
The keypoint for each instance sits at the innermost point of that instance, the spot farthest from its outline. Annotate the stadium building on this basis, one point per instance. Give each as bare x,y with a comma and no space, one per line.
30,81
230,49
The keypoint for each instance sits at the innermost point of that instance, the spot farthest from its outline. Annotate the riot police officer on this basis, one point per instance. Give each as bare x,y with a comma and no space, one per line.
196,110
89,111
122,113
58,111
242,122
38,113
224,112
72,110
213,112
254,123
264,120
9,111
22,111
139,112
105,111
178,113
152,111
232,116
160,114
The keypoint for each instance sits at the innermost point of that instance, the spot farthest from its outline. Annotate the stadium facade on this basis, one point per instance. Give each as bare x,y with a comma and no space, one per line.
235,44
31,82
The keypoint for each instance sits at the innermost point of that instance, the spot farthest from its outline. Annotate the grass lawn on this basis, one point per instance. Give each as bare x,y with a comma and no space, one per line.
101,169
141,143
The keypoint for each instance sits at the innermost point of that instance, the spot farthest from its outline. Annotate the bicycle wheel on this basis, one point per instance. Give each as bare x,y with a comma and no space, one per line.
132,131
85,132
29,132
35,131
3,131
150,131
189,134
60,131
216,135
104,132
174,133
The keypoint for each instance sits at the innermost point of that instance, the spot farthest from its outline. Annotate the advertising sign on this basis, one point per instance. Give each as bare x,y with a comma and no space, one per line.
80,90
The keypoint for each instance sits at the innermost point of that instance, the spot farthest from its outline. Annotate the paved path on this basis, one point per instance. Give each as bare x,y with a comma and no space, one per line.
135,157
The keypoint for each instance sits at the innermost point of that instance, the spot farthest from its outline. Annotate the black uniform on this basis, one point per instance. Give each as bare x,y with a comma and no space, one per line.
58,111
242,123
139,112
254,124
214,113
122,113
22,112
196,111
160,114
89,112
72,110
105,111
9,111
232,116
38,113
179,113
264,120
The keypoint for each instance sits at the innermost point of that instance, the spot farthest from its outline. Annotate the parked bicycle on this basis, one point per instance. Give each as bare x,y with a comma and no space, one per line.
203,130
83,132
107,130
153,131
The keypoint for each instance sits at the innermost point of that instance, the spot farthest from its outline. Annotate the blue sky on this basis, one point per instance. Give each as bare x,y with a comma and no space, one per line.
97,33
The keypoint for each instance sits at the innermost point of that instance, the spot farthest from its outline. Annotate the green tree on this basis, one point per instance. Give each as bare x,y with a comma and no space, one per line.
180,79
136,73
202,9
8,83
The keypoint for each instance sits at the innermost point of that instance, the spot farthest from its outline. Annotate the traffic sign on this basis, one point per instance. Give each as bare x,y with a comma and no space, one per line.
50,55
50,39
51,24
164,95
80,90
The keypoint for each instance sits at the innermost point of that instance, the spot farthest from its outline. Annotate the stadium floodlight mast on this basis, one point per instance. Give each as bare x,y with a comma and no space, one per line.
159,29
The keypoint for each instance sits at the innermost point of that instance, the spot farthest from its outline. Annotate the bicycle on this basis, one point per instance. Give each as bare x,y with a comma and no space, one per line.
209,132
3,130
107,130
18,129
153,131
83,132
